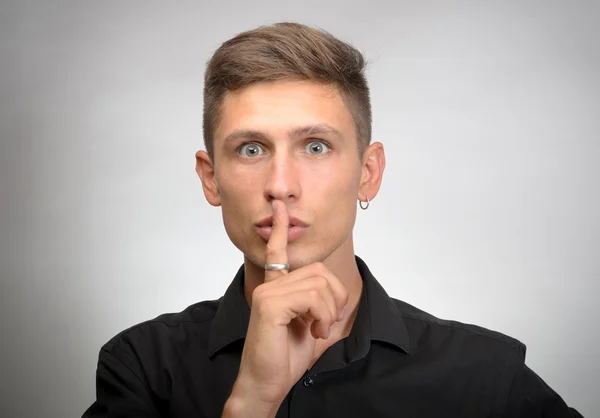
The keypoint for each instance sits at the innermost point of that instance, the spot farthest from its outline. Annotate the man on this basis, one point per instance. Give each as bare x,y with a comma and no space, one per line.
304,329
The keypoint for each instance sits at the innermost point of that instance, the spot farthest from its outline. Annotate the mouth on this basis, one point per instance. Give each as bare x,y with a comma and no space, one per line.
293,222
296,228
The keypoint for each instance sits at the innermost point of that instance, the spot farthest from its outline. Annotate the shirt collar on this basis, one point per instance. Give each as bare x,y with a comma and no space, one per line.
230,323
378,318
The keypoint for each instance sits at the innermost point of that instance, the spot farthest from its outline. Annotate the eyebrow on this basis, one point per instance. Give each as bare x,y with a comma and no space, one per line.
300,131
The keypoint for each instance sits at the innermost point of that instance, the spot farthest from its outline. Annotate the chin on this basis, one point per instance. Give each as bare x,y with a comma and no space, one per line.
295,264
298,260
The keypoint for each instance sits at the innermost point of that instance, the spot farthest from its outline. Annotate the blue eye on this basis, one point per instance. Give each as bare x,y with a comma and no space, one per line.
250,150
317,148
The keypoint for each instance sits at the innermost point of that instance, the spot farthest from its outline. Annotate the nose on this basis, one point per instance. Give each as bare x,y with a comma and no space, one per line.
282,178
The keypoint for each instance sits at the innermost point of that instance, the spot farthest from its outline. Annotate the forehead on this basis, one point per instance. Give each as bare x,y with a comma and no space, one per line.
278,106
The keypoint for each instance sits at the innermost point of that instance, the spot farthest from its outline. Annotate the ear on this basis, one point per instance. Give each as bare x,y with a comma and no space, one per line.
206,172
373,164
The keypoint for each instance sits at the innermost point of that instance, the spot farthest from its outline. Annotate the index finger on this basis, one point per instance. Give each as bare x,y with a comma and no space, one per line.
276,252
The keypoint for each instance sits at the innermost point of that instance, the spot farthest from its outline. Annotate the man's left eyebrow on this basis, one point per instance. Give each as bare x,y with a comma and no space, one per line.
318,129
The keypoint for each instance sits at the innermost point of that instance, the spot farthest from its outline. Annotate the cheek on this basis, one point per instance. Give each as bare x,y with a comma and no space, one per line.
236,184
333,194
237,197
335,186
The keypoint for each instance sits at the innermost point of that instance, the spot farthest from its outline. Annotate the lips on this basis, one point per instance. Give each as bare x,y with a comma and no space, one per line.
296,228
293,221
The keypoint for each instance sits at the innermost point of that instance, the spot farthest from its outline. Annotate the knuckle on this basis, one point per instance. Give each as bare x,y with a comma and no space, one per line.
264,306
259,296
258,292
314,295
320,282
320,269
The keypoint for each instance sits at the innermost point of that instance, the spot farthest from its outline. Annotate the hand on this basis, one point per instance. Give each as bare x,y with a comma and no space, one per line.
290,311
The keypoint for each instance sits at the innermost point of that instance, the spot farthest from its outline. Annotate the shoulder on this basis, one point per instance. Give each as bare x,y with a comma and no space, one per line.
166,328
428,332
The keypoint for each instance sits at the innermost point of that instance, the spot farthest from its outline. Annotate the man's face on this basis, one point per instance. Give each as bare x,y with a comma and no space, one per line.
294,141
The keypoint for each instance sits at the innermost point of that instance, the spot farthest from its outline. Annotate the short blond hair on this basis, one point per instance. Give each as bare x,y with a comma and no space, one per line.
287,51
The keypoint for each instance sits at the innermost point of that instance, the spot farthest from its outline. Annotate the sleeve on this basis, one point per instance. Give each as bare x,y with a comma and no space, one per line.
531,397
119,391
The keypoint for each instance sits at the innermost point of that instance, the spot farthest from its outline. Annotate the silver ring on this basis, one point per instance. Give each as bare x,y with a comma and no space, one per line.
277,266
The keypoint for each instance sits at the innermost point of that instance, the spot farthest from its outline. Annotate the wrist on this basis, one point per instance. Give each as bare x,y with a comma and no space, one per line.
241,405
246,402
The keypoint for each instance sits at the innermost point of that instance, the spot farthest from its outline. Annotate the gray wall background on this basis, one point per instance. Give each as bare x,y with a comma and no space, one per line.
489,211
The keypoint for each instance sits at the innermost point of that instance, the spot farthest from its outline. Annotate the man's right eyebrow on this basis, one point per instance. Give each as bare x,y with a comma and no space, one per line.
246,134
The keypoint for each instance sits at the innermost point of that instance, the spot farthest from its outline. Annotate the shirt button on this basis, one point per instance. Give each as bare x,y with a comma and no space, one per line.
308,382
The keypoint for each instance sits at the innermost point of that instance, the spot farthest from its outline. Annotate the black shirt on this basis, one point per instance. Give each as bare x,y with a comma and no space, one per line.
398,361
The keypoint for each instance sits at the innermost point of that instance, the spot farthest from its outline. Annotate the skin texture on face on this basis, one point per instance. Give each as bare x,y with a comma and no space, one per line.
293,141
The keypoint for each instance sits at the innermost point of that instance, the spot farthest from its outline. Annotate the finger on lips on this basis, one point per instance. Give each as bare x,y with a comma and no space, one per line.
312,291
276,252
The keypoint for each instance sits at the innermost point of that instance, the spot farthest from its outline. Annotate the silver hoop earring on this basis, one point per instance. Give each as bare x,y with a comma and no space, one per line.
360,203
